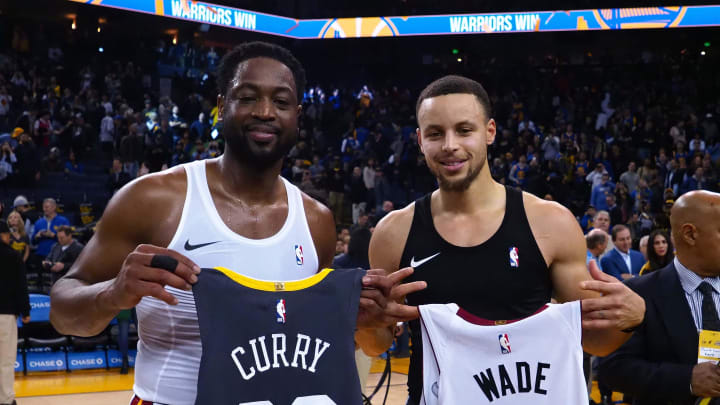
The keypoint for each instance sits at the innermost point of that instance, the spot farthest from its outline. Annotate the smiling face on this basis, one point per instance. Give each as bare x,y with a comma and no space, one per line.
260,112
623,240
454,134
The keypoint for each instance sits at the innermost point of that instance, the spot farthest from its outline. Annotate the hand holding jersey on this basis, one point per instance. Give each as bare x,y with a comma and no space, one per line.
535,360
140,277
381,301
277,342
618,308
496,251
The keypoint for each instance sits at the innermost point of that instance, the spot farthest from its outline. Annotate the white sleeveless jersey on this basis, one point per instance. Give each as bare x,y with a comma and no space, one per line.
533,361
169,349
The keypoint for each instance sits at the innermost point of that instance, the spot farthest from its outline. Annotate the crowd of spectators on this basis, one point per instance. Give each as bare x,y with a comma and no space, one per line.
622,140
615,143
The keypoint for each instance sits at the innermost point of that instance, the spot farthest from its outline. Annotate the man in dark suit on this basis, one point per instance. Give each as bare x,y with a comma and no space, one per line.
118,177
659,364
622,262
63,253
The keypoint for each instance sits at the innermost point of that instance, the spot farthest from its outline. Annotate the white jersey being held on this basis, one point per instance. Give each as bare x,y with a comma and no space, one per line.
533,361
169,350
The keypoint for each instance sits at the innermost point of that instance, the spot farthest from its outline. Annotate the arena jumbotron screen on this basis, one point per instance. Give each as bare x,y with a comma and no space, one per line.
366,27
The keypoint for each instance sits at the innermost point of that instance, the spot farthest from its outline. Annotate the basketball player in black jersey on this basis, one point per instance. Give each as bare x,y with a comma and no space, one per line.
495,251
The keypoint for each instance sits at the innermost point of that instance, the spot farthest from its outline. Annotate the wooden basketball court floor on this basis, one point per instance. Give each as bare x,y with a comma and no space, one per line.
94,387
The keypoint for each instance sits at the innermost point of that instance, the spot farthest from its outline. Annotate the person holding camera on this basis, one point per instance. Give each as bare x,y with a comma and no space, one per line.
63,253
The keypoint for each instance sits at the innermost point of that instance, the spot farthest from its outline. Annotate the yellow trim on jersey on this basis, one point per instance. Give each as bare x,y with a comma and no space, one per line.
705,401
264,285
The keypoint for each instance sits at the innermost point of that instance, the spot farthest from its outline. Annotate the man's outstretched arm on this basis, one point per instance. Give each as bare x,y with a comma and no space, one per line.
113,272
608,306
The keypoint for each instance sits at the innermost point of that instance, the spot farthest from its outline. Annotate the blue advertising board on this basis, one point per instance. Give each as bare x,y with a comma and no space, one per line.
86,360
46,361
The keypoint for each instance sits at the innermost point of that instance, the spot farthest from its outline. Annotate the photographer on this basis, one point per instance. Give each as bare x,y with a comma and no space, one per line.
63,253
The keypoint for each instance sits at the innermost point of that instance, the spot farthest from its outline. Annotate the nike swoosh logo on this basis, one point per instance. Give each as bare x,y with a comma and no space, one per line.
188,246
419,263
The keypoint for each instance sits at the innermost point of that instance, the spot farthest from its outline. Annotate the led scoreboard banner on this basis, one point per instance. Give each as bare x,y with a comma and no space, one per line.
366,27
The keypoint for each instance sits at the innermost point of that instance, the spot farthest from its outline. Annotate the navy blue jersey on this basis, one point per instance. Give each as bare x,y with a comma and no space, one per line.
278,343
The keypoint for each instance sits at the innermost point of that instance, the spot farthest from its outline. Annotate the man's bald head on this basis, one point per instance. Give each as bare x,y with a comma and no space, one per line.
695,223
699,208
596,241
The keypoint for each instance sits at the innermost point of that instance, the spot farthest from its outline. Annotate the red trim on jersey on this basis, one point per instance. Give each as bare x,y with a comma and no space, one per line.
487,322
137,401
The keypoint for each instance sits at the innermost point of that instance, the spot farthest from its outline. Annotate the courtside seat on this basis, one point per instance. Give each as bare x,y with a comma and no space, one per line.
33,283
43,346
54,343
46,282
89,343
89,352
132,335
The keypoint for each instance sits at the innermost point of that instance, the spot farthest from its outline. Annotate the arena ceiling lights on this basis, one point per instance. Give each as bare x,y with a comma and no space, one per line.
370,27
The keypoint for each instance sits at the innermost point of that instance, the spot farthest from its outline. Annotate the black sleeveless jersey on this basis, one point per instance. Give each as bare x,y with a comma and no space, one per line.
279,343
504,278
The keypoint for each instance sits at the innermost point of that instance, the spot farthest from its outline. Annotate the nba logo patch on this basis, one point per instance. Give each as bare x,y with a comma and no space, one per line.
514,257
280,311
504,343
299,259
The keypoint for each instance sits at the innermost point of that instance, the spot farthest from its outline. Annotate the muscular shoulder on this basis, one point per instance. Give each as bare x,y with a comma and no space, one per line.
322,229
162,187
554,227
396,223
389,238
150,203
315,211
549,216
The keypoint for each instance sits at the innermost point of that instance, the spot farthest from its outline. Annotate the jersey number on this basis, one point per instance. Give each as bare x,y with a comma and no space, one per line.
309,400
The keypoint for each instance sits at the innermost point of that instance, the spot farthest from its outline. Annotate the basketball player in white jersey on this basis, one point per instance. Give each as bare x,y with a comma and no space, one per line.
234,211
498,252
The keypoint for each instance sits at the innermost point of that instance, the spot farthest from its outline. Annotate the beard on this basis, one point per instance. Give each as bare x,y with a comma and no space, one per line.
258,155
461,184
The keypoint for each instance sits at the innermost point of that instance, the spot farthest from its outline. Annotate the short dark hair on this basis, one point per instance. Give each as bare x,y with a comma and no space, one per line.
256,49
617,229
453,84
595,239
65,229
